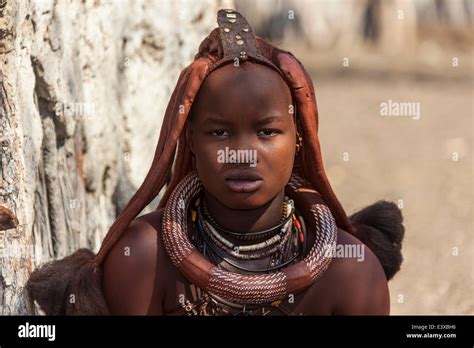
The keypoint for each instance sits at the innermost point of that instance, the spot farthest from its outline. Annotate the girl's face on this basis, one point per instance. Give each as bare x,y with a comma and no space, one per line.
243,135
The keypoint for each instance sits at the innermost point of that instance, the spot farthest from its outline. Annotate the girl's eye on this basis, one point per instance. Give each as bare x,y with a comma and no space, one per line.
268,132
219,132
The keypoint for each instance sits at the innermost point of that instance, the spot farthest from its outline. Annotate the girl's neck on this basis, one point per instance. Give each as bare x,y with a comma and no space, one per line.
248,220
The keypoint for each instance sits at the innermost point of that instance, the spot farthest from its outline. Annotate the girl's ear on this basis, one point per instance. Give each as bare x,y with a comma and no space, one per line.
189,136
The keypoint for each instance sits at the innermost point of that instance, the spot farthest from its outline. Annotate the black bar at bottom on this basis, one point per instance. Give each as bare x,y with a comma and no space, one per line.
417,330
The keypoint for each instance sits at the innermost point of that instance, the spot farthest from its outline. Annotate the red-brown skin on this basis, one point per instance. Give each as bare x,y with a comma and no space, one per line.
146,282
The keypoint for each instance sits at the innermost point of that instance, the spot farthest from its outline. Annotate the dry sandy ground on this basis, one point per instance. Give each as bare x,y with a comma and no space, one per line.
399,158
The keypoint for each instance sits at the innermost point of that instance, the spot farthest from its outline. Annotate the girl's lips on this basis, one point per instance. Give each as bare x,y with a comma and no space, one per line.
244,185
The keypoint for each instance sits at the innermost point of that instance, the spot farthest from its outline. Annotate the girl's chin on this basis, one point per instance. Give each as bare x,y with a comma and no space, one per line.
242,203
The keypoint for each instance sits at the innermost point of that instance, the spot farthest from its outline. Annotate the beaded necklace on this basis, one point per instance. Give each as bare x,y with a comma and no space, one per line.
288,241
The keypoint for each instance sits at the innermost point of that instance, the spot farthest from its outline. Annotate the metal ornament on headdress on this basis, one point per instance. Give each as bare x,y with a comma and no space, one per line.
237,37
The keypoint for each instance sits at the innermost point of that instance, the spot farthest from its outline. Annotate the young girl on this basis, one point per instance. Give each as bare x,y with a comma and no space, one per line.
248,223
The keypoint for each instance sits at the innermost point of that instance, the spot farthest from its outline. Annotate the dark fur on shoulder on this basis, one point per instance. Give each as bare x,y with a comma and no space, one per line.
53,284
380,227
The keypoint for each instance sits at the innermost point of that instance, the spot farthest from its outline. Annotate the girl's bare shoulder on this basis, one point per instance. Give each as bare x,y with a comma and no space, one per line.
131,267
356,278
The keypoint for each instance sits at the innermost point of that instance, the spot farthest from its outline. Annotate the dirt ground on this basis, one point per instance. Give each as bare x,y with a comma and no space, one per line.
400,158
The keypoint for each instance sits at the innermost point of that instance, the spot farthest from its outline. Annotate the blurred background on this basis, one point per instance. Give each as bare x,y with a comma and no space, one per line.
84,86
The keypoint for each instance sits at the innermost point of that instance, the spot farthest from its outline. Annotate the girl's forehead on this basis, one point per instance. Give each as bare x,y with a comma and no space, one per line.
250,91
249,78
245,70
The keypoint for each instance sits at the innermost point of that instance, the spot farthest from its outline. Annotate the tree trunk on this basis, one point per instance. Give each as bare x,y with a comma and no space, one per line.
83,87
